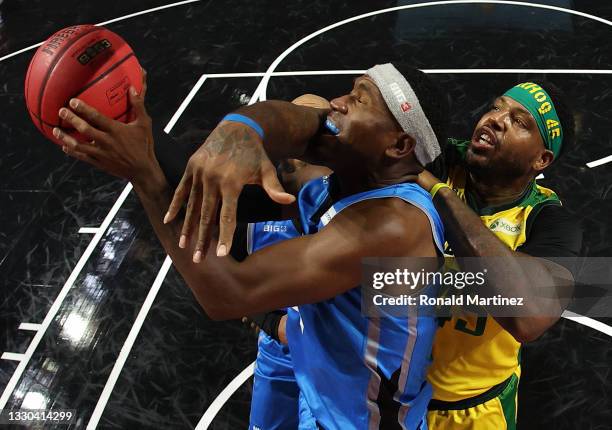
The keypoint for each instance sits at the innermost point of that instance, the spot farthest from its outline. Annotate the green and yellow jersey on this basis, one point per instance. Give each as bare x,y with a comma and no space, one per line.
473,354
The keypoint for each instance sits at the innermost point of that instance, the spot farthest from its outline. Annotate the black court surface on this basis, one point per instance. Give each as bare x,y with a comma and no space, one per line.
92,315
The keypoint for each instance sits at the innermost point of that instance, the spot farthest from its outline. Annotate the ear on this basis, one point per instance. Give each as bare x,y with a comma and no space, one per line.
403,144
546,158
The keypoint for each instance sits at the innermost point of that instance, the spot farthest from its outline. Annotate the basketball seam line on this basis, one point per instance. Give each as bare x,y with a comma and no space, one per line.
57,58
125,112
103,75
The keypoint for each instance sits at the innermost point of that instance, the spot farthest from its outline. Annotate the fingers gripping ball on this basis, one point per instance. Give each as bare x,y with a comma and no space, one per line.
84,61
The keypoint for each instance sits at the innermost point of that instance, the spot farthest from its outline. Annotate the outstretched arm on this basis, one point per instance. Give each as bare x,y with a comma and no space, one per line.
302,270
310,268
231,157
520,275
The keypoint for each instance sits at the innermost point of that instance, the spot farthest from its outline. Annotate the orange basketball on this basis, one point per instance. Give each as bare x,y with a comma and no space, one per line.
84,61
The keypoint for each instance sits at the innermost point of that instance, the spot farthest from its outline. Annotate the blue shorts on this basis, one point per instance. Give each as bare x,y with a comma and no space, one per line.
276,402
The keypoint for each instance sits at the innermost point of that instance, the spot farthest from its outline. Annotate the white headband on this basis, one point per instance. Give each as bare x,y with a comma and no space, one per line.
405,107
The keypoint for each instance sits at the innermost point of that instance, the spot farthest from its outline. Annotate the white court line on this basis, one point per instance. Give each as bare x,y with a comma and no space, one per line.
600,161
224,396
185,103
89,230
121,18
60,298
203,78
260,92
589,322
532,71
135,330
88,251
429,71
128,344
12,54
13,356
29,326
155,9
397,8
198,85
144,310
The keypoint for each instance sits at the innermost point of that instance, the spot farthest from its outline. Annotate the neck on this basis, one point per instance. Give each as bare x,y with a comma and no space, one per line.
353,181
492,192
350,182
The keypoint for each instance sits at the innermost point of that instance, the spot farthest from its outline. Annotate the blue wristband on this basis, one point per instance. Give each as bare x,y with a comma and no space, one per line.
236,117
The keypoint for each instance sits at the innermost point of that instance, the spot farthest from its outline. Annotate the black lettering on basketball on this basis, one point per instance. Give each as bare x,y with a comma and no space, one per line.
110,69
92,51
52,67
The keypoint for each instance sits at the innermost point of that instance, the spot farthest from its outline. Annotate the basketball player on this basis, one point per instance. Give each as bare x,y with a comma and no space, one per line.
495,209
347,366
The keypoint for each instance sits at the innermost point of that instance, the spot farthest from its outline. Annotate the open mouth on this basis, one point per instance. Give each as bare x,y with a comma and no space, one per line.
484,137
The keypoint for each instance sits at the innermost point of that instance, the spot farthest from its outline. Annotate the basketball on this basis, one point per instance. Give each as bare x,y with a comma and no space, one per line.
84,61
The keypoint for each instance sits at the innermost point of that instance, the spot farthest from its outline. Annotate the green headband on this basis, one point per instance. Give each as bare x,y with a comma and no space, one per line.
537,101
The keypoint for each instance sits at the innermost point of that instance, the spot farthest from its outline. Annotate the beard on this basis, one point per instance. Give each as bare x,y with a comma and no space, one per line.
493,169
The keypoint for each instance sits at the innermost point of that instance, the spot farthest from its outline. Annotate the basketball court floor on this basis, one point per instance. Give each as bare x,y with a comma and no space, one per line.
92,315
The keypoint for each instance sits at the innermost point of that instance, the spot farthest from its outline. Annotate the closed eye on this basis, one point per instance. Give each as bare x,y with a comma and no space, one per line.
357,98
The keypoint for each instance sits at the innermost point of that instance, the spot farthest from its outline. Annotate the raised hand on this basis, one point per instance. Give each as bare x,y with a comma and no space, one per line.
123,150
231,157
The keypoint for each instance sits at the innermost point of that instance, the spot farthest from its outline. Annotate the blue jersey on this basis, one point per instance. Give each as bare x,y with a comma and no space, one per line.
353,371
276,403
